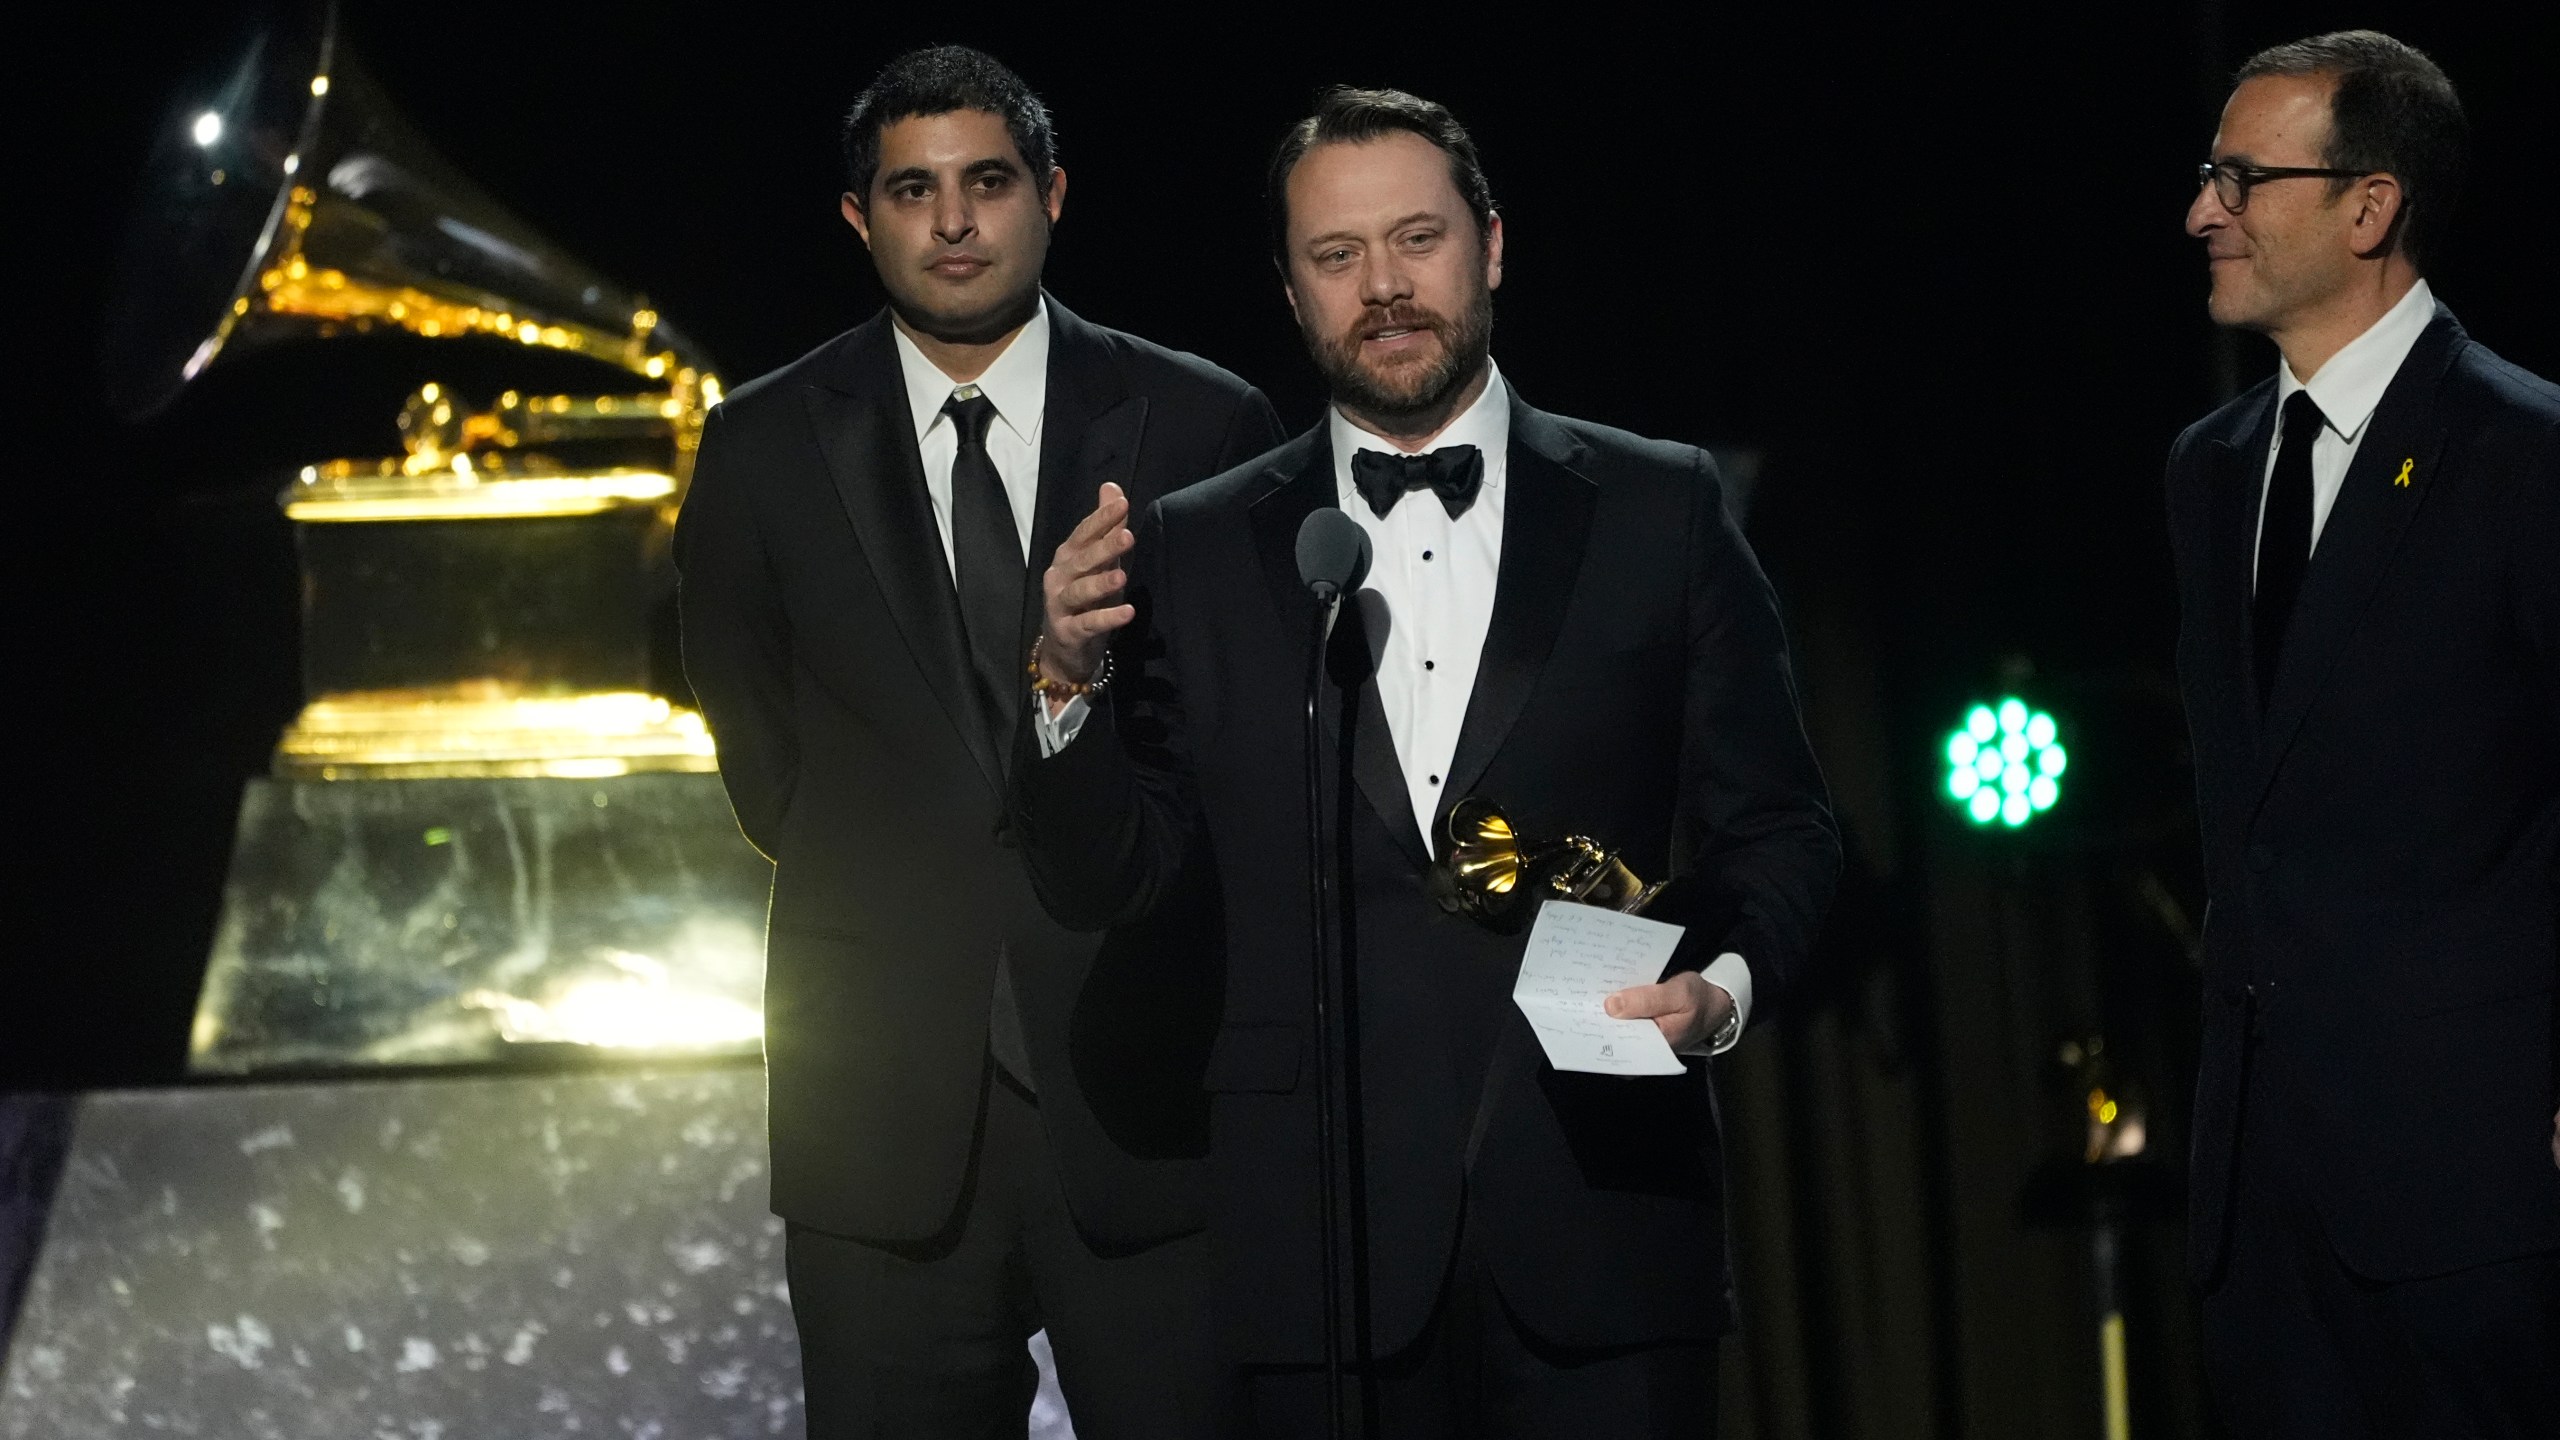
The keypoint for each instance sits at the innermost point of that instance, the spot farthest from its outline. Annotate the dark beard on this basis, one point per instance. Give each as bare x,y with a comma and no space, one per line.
1409,394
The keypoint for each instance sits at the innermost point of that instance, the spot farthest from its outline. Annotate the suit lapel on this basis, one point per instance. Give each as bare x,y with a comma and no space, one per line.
2394,466
868,437
2234,479
1546,520
1303,485
1373,746
1089,433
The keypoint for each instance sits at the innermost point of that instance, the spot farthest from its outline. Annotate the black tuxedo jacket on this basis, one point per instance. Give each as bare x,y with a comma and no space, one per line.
1634,687
2380,840
823,637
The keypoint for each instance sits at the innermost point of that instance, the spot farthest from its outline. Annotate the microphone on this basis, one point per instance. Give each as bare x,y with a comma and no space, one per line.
1333,558
1333,553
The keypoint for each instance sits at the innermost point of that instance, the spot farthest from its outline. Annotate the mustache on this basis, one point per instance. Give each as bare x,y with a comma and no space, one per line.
1403,315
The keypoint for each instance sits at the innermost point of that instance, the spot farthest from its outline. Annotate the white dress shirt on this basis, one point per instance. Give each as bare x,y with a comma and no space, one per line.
2347,390
1437,576
1017,384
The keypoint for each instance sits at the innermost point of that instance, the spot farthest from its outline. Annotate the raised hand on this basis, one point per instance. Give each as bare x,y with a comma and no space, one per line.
1080,591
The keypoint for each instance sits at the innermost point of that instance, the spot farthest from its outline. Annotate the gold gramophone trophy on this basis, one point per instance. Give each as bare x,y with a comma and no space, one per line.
485,829
476,605
1498,879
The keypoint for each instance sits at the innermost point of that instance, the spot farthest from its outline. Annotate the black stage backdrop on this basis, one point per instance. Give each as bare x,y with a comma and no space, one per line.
1927,259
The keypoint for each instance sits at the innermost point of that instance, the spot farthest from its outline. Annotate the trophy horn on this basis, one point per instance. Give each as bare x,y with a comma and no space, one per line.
1493,876
289,199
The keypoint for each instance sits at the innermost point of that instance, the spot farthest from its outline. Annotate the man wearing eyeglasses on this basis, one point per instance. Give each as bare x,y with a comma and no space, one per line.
2368,553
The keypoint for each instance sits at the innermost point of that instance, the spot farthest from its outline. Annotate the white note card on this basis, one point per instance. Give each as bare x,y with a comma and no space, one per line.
1578,956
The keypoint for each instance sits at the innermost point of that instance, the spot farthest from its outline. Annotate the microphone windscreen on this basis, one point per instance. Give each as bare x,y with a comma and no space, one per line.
1333,553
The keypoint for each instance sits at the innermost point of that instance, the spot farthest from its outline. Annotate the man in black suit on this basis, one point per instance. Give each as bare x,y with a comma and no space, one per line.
981,1123
2368,551
1572,627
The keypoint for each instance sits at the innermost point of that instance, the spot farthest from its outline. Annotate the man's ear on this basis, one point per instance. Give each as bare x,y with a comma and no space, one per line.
1057,193
1287,290
2380,203
1493,253
854,217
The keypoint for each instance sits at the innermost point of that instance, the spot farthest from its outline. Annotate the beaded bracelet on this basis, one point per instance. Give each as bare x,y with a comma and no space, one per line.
1062,691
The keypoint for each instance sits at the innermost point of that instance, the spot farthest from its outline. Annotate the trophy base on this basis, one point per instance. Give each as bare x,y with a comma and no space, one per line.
483,922
484,731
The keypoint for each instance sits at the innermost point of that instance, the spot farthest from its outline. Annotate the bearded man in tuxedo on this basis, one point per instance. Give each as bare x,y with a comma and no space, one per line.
1568,622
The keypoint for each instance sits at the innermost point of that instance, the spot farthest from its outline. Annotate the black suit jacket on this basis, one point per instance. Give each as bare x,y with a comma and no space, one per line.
823,636
2380,842
1635,687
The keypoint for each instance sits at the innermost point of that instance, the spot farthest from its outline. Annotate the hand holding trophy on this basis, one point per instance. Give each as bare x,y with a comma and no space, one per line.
1494,876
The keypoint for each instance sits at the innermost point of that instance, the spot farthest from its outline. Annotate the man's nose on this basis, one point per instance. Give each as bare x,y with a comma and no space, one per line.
953,218
1383,281
2205,212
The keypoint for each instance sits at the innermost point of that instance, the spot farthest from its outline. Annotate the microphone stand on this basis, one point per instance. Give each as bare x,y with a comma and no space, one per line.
1320,910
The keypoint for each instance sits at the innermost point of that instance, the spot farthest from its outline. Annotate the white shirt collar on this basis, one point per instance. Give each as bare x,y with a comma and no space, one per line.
1017,383
2349,387
1486,425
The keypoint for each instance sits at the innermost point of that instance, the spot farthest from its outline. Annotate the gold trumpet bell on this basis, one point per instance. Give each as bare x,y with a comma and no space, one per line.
1484,851
1498,880
288,200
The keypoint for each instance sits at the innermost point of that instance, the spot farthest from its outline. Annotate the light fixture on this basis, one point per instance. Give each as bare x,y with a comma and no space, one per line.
2005,763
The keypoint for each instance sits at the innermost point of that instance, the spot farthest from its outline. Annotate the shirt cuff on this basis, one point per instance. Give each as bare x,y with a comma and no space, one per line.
1056,732
1729,973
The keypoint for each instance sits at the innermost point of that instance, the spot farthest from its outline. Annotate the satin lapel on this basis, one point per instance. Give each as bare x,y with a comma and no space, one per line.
1373,749
1294,495
1546,520
2395,464
1275,519
2235,478
869,441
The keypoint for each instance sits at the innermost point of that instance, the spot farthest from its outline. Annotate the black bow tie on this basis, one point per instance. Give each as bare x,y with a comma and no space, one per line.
1452,472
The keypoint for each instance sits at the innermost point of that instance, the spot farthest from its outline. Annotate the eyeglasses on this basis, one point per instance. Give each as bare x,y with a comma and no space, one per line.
2231,180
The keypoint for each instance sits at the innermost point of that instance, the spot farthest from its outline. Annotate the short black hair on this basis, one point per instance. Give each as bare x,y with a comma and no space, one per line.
937,81
2392,109
1347,115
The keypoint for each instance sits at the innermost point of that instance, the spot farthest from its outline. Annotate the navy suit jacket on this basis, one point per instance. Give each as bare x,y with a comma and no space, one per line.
2381,837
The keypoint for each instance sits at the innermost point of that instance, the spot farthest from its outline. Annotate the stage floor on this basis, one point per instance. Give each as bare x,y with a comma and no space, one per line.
416,1258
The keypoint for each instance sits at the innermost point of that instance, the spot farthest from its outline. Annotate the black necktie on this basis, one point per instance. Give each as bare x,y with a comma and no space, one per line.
986,563
988,568
1452,472
2284,537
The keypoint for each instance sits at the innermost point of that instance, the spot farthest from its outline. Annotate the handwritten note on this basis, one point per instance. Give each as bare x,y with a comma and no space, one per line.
1578,956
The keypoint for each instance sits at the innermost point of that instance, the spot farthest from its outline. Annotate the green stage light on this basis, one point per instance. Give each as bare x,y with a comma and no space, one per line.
2005,763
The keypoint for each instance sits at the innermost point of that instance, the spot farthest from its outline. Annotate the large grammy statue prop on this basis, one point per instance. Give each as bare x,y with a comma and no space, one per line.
475,613
485,841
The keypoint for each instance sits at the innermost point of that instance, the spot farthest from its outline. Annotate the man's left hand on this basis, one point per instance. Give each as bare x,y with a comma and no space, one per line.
1688,1009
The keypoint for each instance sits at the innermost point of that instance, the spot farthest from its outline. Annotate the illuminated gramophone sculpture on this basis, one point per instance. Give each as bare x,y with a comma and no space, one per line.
484,830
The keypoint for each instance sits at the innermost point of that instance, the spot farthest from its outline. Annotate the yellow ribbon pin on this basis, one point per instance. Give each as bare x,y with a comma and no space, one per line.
2402,479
